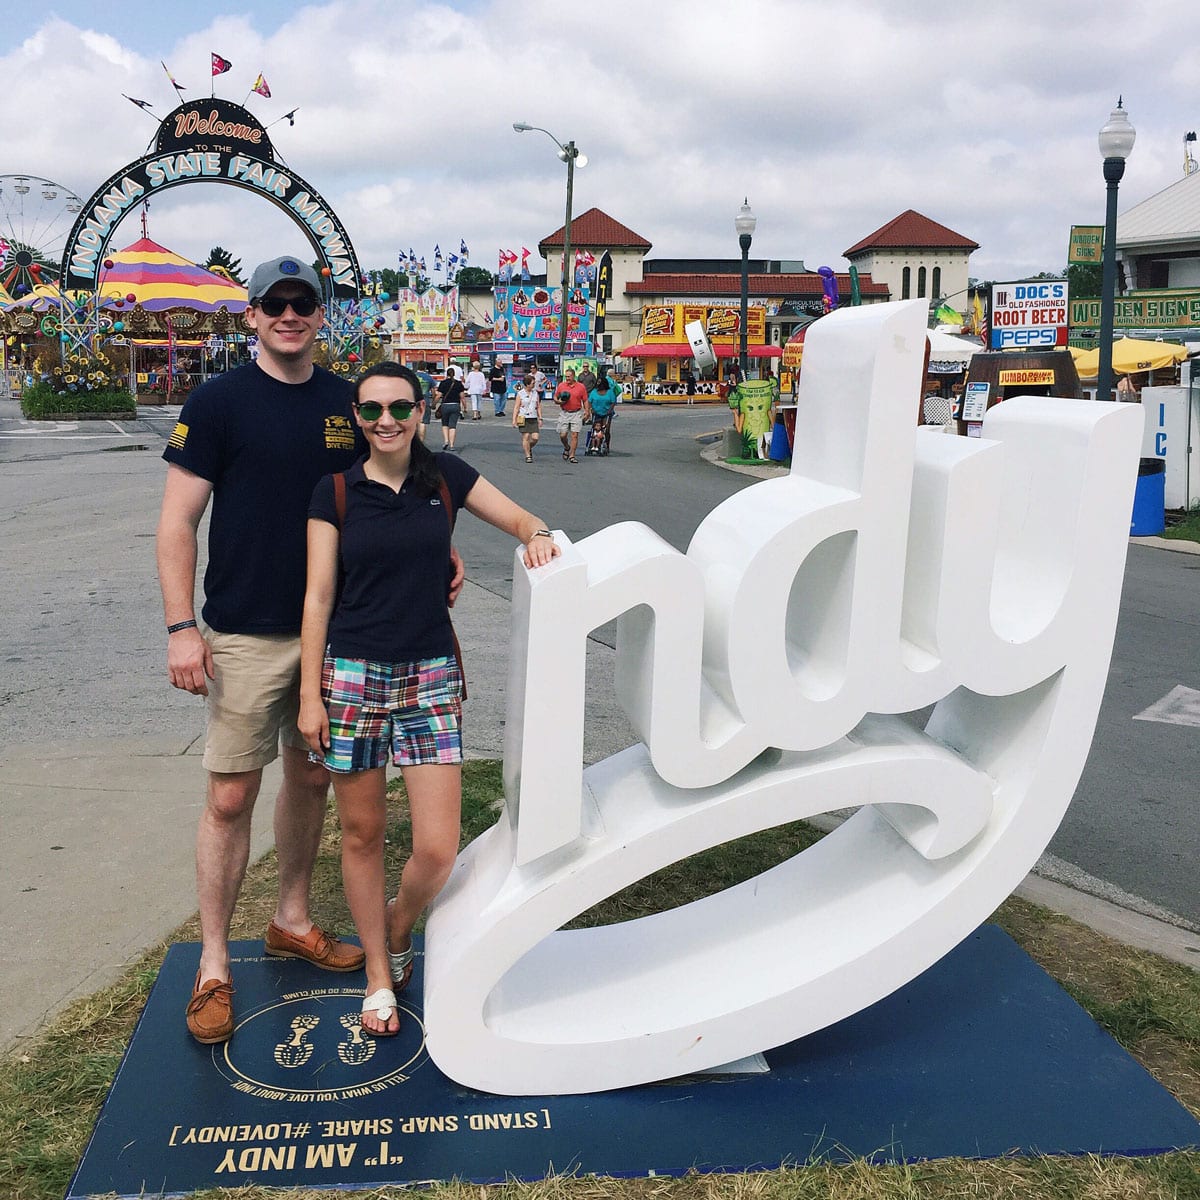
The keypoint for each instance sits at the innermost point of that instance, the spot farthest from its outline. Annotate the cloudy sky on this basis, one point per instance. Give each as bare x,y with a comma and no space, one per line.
831,118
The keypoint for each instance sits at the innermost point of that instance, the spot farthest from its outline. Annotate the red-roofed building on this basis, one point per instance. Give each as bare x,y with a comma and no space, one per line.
783,295
787,292
596,231
915,256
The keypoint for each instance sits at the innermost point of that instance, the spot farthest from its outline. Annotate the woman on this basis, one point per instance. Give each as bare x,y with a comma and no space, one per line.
450,406
602,399
527,417
378,667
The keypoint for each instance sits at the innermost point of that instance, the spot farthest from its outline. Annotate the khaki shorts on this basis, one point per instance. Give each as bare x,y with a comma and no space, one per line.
253,700
570,422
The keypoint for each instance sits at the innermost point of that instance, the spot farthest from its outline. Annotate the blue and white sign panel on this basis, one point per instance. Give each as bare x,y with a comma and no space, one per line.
1030,315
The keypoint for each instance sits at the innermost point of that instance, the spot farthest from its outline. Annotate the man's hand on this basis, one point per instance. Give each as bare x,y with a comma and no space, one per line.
459,577
189,661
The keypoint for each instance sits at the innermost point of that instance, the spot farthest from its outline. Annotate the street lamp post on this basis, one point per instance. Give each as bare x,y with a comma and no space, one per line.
570,154
1116,145
744,223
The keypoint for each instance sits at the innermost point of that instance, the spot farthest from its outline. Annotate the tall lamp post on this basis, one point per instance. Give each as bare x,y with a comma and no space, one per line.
570,154
1116,145
744,223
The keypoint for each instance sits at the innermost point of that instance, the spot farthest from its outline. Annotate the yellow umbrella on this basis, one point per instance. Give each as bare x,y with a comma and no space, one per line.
1131,354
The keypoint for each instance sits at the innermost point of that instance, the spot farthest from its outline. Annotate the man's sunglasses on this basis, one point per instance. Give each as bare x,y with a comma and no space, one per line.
372,410
302,306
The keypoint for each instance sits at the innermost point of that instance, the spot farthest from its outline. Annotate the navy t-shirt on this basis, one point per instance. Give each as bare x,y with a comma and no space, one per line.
263,445
395,554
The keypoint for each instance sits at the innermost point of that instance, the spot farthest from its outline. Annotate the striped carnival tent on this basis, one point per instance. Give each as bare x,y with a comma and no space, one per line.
158,279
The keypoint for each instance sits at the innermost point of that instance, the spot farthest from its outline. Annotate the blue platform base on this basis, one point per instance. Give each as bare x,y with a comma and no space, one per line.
982,1056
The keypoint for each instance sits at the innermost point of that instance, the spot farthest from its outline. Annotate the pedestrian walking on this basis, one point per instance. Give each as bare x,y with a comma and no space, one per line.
527,416
499,385
571,397
477,387
380,677
602,400
449,410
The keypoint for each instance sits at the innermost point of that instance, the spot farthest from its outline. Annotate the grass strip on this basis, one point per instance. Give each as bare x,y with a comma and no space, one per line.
55,1083
1187,528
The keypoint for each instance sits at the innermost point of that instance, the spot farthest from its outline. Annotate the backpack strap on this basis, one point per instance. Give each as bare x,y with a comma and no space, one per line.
339,498
451,516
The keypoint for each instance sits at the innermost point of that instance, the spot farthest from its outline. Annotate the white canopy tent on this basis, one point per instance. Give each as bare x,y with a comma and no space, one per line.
949,353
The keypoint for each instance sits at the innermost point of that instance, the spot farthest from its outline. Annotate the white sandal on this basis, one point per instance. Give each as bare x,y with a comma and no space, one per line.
402,961
380,1004
402,968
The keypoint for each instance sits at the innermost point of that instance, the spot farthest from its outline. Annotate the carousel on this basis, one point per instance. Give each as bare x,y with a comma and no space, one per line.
149,299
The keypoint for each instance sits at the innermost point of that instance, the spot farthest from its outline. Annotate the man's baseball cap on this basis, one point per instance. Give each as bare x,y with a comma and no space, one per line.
281,270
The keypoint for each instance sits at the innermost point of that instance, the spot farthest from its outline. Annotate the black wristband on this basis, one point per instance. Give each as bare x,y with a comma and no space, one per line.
181,625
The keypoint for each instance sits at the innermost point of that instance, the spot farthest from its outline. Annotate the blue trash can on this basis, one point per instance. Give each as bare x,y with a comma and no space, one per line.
779,449
1149,499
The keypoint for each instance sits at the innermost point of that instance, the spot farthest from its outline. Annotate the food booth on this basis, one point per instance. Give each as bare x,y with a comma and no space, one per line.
665,354
421,337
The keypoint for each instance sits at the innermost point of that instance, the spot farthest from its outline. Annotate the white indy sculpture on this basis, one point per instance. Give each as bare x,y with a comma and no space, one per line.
768,672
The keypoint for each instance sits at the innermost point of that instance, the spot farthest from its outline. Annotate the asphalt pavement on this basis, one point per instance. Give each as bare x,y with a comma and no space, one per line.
100,777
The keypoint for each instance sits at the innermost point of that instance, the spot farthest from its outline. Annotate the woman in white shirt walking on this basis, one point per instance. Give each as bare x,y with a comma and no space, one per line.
527,415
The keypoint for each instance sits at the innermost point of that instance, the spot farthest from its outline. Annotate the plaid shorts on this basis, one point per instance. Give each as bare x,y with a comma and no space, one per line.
412,708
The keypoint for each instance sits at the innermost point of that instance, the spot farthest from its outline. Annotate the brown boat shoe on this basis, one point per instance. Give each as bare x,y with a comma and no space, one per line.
316,946
210,1011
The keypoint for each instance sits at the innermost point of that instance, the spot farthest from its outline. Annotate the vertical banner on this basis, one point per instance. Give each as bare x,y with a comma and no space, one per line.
603,292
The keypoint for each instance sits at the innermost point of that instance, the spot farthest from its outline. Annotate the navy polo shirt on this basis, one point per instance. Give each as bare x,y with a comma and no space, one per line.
395,554
263,445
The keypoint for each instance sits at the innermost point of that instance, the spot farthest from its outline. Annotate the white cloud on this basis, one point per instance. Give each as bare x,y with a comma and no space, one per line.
832,119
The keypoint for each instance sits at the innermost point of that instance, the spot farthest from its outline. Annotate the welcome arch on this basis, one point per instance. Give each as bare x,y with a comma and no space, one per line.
207,141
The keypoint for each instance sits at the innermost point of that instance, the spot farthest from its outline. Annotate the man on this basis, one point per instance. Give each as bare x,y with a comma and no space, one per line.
499,385
477,386
572,398
254,441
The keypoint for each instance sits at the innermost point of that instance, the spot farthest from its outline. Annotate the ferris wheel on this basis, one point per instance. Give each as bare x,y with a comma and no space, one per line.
36,216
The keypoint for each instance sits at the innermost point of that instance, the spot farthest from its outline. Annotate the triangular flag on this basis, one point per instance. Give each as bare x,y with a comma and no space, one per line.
260,86
176,86
220,65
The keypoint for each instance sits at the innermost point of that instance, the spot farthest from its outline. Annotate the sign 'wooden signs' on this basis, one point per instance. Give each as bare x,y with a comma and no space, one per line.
1086,244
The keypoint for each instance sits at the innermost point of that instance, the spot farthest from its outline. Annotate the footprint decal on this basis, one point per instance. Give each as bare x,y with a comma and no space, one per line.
355,1049
297,1051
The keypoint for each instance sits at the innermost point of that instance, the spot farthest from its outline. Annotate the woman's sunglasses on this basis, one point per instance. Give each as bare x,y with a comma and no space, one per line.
302,306
372,410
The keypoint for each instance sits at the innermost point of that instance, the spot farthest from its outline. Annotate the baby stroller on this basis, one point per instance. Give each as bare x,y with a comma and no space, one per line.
599,435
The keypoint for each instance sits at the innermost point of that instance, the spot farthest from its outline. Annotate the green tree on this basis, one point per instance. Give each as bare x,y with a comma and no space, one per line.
1084,279
389,280
219,257
475,277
